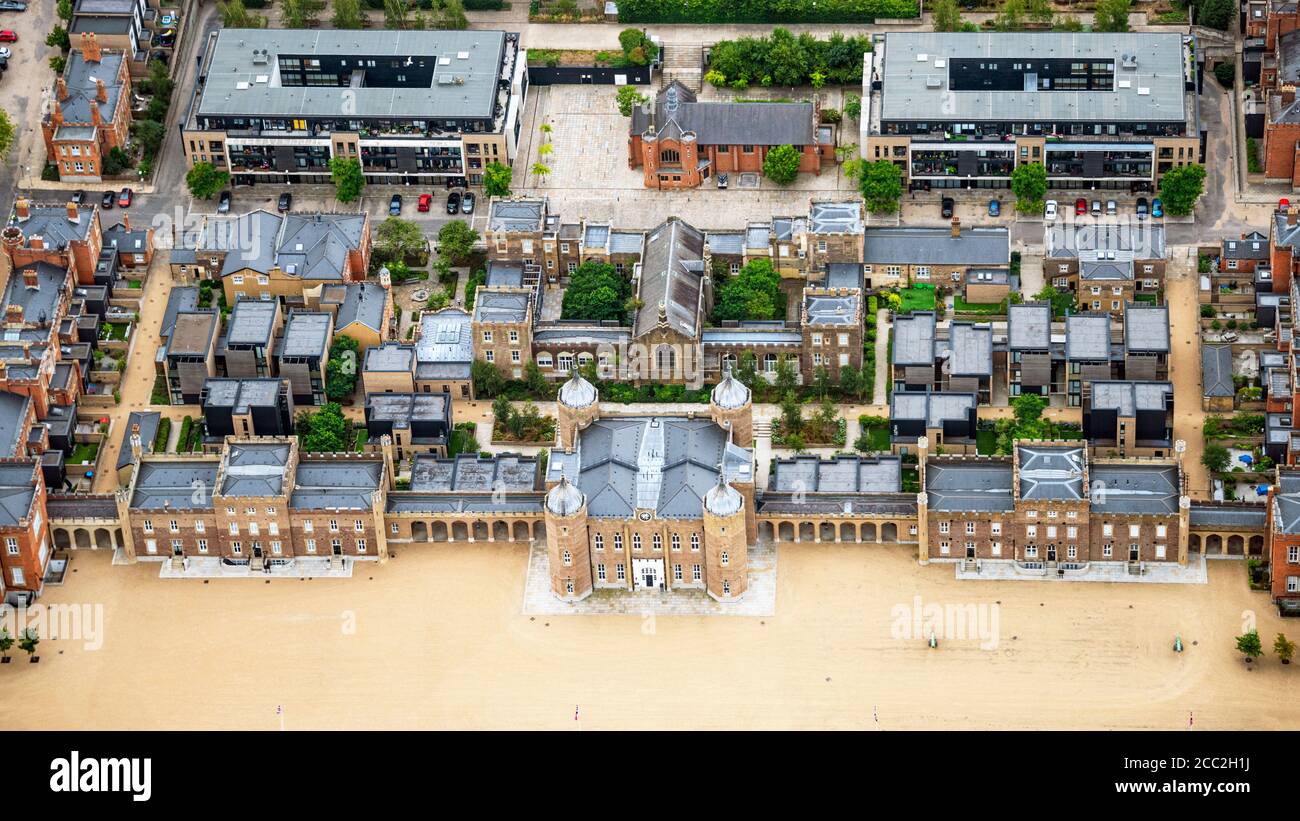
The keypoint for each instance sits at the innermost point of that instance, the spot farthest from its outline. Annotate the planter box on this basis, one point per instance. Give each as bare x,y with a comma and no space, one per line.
106,377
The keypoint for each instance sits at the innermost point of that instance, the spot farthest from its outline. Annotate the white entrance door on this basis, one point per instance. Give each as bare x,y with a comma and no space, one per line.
647,573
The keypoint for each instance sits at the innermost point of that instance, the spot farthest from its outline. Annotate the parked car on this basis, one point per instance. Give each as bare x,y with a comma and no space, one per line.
11,5
423,203
722,181
8,36
995,208
106,201
223,203
467,203
1112,207
395,206
124,198
285,203
5,53
946,207
1096,208
1142,208
456,182
1049,213
1080,206
453,202
77,198
1157,208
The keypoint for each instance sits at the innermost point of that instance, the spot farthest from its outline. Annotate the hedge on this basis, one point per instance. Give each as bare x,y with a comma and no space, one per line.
160,439
762,11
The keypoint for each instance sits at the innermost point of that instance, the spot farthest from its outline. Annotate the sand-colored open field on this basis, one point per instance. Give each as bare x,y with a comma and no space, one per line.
439,643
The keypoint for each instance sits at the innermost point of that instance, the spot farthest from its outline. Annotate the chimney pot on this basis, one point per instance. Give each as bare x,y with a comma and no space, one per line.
126,222
73,214
1292,215
23,208
956,227
63,89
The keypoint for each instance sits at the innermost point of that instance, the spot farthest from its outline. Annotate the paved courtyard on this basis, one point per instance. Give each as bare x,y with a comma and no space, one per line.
759,600
1194,573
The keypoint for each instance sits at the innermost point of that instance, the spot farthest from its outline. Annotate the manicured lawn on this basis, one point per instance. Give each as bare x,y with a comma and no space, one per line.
986,442
84,452
961,306
879,438
362,438
917,298
1151,298
114,330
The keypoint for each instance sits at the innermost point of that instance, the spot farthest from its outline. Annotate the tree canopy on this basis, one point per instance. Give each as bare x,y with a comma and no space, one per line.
881,184
396,238
781,165
496,179
324,431
596,292
204,180
341,370
786,60
6,134
754,293
456,241
1061,300
348,180
1181,187
1111,15
1029,184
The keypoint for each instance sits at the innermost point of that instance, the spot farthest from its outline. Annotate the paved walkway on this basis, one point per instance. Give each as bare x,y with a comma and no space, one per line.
197,567
883,328
1172,573
759,600
1182,296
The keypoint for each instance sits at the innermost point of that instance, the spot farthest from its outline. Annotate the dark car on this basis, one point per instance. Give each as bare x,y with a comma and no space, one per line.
77,198
947,207
457,182
10,5
395,206
1142,208
106,201
124,198
995,208
453,202
286,202
722,181
467,203
223,203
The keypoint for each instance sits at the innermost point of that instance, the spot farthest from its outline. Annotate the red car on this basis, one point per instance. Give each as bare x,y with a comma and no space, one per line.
8,36
1080,206
424,202
124,199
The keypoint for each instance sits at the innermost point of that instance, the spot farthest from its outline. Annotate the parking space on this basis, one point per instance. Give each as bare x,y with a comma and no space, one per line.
25,86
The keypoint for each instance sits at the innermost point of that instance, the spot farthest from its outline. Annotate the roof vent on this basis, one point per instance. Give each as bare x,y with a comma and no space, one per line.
260,57
934,82
1128,62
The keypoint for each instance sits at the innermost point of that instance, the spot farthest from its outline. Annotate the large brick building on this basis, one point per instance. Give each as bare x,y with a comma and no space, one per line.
91,112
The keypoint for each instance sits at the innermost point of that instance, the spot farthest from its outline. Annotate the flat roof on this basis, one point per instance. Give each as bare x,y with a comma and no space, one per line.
252,322
469,473
1146,328
307,333
1087,337
1029,326
840,474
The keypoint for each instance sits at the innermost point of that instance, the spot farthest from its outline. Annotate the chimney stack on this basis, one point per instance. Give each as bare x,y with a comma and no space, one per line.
23,208
956,227
137,445
90,47
14,314
95,119
11,237
57,116
101,91
73,214
29,278
63,89
1288,94
126,222
1292,215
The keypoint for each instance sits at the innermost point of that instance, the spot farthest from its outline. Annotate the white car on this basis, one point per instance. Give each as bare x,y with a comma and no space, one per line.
1049,213
5,53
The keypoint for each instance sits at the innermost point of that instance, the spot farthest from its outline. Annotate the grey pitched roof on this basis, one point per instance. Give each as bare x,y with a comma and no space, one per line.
1238,514
17,491
500,306
307,333
516,215
248,240
676,112
1134,488
914,338
936,246
1252,246
844,275
336,485
849,504
969,485
181,298
148,422
169,484
970,349
1216,371
254,469
731,243
51,224
38,303
13,417
80,77
316,246
663,464
836,217
672,273
444,339
626,242
1286,513
840,474
1050,473
472,69
1087,337
1146,328
1029,326
1129,397
501,274
918,70
832,310
364,305
1283,234
1098,269
473,473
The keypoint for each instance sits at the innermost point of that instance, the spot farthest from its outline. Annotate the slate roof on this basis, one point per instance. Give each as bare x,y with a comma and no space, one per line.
308,246
1087,337
504,274
1050,473
914,338
1029,326
1134,488
51,224
936,246
516,215
839,474
444,348
832,310
676,112
917,70
1209,514
472,473
672,272
731,243
847,504
663,464
17,491
148,422
336,485
39,304
1216,371
13,416
1092,270
500,306
1253,246
364,305
1286,512
471,89
254,469
836,217
1146,328
844,275
181,298
1127,240
969,485
166,484
80,77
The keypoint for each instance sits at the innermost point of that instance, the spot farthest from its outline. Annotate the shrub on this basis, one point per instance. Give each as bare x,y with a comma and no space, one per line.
762,11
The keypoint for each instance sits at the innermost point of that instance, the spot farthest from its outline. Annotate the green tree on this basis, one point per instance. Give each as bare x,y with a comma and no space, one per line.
456,241
347,14
881,184
160,80
300,13
204,180
502,412
596,292
540,170
64,10
326,429
1111,15
1283,648
395,12
1069,23
400,239
629,97
821,380
786,377
29,641
1028,408
751,294
1029,184
58,38
1010,16
1181,187
947,15
149,134
536,380
234,15
451,15
487,378
747,369
853,106
496,179
1040,11
1216,14
6,642
341,370
1216,458
6,134
1061,300
1226,73
345,173
1248,645
781,165
791,415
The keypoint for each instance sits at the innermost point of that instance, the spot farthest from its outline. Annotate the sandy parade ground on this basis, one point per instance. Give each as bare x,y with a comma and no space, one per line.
435,639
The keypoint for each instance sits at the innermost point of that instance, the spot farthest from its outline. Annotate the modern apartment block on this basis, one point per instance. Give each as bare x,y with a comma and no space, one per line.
1098,110
413,107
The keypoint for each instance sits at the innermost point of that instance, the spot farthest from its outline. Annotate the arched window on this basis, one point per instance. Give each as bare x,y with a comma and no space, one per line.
723,559
665,360
657,541
695,541
677,542
568,558
636,541
564,362
670,156
729,359
769,363
543,360
599,541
